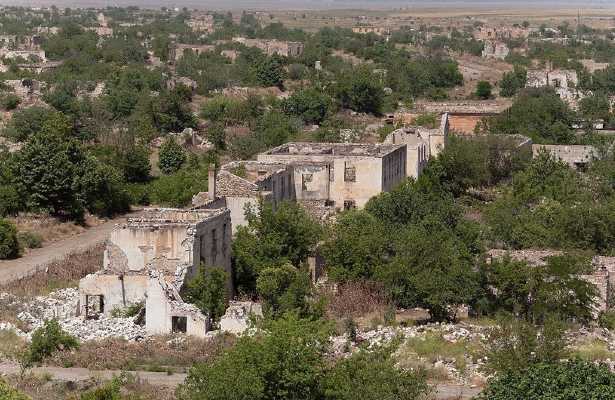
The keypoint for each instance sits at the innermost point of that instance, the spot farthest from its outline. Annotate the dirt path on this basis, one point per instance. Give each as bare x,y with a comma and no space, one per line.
442,391
11,270
83,374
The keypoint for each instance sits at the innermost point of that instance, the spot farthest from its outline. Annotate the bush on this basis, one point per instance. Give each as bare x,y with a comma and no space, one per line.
172,157
9,244
607,320
208,291
176,190
563,380
48,339
30,240
483,90
8,393
373,375
9,101
311,105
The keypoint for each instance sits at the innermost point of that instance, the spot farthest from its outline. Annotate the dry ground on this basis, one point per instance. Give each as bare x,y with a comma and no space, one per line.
475,69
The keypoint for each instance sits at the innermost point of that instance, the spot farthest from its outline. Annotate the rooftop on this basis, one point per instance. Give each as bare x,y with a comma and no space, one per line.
253,171
334,149
175,216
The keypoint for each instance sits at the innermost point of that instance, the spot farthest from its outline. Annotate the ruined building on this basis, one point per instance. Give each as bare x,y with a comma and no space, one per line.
576,156
564,82
201,23
177,51
322,177
149,258
273,46
495,49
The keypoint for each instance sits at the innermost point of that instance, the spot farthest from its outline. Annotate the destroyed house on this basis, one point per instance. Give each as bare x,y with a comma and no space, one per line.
342,175
242,184
148,259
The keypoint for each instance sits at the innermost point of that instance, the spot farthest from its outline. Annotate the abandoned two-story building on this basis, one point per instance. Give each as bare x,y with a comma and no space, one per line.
322,177
149,259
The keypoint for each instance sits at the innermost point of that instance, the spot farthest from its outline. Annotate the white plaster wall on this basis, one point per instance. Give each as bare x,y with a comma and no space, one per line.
141,245
110,286
318,188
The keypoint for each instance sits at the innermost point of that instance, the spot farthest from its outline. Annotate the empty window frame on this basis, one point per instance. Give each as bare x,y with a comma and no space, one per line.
350,173
179,324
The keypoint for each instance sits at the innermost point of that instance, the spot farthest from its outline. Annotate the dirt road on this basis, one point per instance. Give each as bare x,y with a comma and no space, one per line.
11,270
83,374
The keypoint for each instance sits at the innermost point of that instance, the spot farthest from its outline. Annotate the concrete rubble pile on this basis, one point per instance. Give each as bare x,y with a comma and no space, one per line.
63,306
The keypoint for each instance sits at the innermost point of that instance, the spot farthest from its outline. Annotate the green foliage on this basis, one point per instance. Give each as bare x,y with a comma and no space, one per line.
269,72
427,120
422,261
311,105
514,344
372,375
513,81
282,289
27,122
176,190
9,243
208,291
483,90
551,206
9,101
135,164
8,393
607,320
48,339
537,113
360,91
564,380
102,188
30,240
285,361
479,161
535,292
275,128
595,107
272,238
217,136
172,156
45,172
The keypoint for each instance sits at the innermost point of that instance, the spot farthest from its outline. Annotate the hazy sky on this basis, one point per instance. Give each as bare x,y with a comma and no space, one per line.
313,4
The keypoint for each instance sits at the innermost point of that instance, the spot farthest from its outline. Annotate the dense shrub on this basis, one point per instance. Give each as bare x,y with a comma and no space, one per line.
565,380
172,156
30,240
9,244
208,291
48,339
8,393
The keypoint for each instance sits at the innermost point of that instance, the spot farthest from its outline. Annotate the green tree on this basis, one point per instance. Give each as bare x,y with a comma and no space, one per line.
483,90
515,344
172,156
272,237
537,113
208,291
269,72
513,81
372,375
311,105
45,174
283,288
101,188
48,339
565,380
283,361
360,91
9,245
595,107
27,122
536,291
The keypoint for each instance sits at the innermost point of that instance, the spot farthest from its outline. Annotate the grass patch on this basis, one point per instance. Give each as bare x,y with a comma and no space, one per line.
11,345
595,350
156,354
433,347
